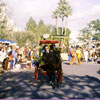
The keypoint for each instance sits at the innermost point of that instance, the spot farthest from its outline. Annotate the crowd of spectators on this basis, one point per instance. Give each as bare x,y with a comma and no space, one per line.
87,54
13,56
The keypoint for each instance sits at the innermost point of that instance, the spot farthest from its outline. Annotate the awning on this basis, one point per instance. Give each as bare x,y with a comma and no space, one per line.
7,41
48,41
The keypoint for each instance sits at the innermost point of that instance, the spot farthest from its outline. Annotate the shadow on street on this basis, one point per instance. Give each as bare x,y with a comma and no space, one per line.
20,85
68,63
98,71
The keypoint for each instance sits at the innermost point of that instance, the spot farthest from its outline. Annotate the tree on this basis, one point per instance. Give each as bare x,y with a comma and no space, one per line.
95,26
42,29
55,15
64,11
31,25
21,38
3,21
68,31
85,35
68,11
41,22
61,12
92,31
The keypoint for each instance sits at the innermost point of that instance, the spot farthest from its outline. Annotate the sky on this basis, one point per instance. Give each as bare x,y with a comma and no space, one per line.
83,12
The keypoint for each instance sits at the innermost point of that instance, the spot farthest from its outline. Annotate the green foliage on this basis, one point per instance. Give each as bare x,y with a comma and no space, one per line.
3,21
3,35
41,22
85,35
68,31
42,29
68,10
31,25
61,8
96,37
91,31
23,37
55,13
64,8
54,31
95,25
39,29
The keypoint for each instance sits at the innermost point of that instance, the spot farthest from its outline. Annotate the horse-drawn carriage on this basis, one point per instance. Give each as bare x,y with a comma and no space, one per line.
49,62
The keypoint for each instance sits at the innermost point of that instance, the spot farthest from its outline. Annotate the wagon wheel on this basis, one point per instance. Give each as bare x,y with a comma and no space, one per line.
60,77
36,74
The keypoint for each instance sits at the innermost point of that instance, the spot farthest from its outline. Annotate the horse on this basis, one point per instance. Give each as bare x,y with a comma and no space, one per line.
53,66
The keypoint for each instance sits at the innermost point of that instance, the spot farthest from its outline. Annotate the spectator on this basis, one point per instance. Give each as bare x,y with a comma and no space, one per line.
14,53
86,55
11,60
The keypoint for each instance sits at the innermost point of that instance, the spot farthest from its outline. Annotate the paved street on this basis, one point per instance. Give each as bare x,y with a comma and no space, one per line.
79,82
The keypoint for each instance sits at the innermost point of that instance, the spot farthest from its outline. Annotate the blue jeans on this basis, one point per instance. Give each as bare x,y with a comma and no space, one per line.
12,64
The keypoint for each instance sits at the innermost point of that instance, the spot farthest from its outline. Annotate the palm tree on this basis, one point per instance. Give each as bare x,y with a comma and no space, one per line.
68,11
65,11
61,12
62,17
55,15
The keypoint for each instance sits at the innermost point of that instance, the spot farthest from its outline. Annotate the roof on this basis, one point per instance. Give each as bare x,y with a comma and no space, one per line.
49,41
7,41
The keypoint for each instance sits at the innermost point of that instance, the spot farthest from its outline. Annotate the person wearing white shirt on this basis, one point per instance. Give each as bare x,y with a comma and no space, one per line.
86,55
